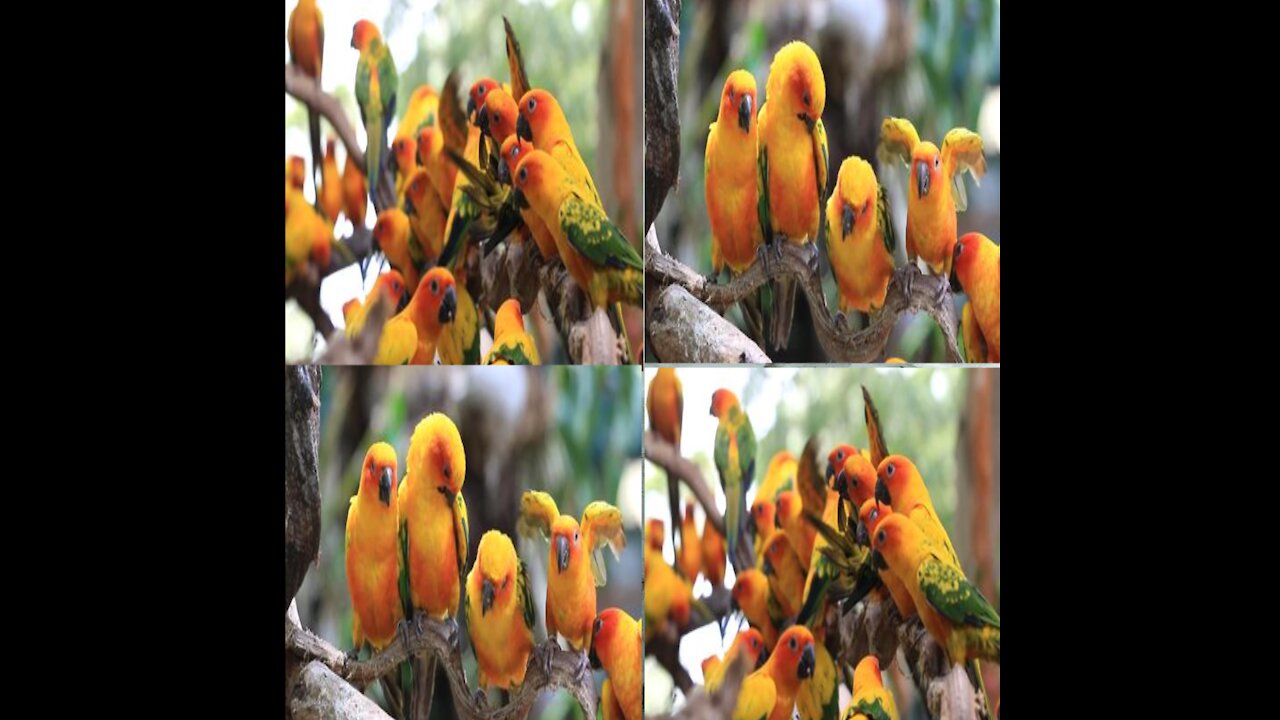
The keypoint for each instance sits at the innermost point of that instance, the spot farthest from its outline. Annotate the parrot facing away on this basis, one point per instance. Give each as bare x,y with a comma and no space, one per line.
306,50
391,234
500,613
690,559
735,458
871,698
511,344
786,575
713,555
616,646
779,476
376,84
976,271
331,188
667,596
751,595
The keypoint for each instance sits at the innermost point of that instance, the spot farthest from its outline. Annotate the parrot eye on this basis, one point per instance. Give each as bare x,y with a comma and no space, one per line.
792,643
937,161
595,628
840,455
482,90
807,99
448,472
575,536
515,151
880,537
874,513
435,287
889,470
524,174
533,104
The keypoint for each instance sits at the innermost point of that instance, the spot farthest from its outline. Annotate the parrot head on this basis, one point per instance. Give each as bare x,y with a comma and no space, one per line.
688,513
856,185
430,142
751,643
775,552
653,532
392,283
498,117
926,169
895,472
508,318
795,650
512,149
869,517
496,565
867,673
389,224
566,539
536,172
378,476
722,401
363,33
762,512
538,108
295,171
835,462
330,148
965,256
406,152
440,304
416,195
476,97
889,541
796,80
435,453
738,103
856,481
605,632
749,588
788,508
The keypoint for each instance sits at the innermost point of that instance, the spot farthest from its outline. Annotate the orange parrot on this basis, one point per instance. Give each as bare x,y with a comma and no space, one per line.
576,564
355,194
431,308
444,174
749,643
786,574
354,312
771,691
653,529
667,596
899,485
714,555
869,517
371,541
764,517
730,177
609,709
779,476
976,271
405,152
666,416
500,612
295,172
426,215
543,123
800,534
331,189
308,239
391,235
690,559
870,697
306,50
512,150
751,595
511,344
860,239
616,646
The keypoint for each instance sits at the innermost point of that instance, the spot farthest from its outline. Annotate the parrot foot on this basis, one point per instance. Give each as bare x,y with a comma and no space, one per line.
907,278
777,246
452,635
842,323
353,655
942,290
813,258
480,699
762,253
584,664
711,279
546,656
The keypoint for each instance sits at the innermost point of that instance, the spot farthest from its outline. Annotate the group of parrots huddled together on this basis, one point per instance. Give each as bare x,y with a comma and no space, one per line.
866,532
407,544
767,181
505,168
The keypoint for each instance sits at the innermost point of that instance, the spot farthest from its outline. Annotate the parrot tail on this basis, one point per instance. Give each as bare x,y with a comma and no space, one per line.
784,307
313,122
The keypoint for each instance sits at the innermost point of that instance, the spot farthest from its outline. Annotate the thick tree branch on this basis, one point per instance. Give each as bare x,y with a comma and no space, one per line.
549,667
301,474
661,110
840,345
319,694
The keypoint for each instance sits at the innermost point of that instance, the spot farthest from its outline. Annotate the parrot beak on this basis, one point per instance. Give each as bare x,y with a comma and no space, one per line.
847,219
522,202
882,492
523,130
449,306
483,121
471,106
562,553
807,663
831,471
384,487
808,121
955,279
504,172
842,483
762,658
922,179
777,521
878,561
863,537
744,113
486,596
595,659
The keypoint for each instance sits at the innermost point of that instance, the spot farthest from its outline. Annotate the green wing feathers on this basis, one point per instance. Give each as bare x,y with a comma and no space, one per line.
461,531
526,597
885,218
592,234
951,594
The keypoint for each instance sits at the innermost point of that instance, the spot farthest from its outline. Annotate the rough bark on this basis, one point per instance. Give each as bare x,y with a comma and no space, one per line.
301,474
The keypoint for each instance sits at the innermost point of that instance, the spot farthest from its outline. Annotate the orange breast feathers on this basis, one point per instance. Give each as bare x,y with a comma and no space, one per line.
434,472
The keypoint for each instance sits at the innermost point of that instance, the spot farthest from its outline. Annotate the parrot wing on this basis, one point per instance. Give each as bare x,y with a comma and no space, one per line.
515,60
537,512
592,234
885,218
875,436
962,152
822,164
762,179
526,597
602,525
952,595
898,138
453,121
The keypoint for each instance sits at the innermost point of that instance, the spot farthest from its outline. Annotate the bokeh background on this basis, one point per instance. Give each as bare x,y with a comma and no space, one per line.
574,432
947,420
586,52
935,62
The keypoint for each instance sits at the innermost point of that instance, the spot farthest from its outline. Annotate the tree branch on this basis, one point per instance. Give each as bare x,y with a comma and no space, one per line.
840,345
549,667
301,474
661,107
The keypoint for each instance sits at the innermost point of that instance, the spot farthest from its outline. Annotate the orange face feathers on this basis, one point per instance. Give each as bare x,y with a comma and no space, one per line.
498,117
476,97
364,32
439,295
856,480
738,102
796,78
721,401
436,450
378,475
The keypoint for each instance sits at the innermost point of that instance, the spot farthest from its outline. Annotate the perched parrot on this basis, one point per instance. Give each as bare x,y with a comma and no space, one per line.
792,165
395,347
735,457
295,172
498,117
306,50
355,195
713,555
461,135
976,271
667,596
543,123
434,532
616,646
511,344
500,613
860,239
371,541
690,559
331,189
954,612
869,517
308,238
653,530
405,152
871,698
845,573
936,190
899,485
513,148
764,518
424,103
666,416
856,480
785,573
751,595
432,307
819,698
822,572
800,534
391,235
576,563
376,85
609,708
426,215
460,341
443,174
749,643
597,255
779,476
835,463
771,691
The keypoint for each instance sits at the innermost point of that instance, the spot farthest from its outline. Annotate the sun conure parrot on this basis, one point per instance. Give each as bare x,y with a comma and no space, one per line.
355,195
800,535
443,173
751,595
976,271
597,255
899,485
405,152
667,596
666,417
511,344
609,709
786,575
616,646
434,532
308,238
391,235
513,148
871,699
306,50
822,572
331,187
395,347
855,481
792,165
426,216
431,308
690,558
954,612
460,341
376,84
860,239
424,102
713,555
835,463
764,519
500,613
869,517
779,476
543,123
575,560
819,698
749,644
461,135
653,529
735,458
936,188
771,691
295,171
